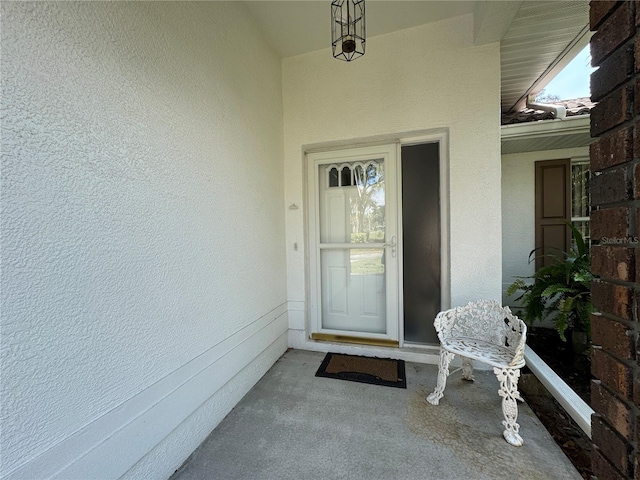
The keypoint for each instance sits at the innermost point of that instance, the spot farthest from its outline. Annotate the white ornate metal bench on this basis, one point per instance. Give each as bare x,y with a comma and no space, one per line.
487,332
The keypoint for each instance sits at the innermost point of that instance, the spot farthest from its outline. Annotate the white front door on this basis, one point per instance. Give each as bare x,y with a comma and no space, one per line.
353,235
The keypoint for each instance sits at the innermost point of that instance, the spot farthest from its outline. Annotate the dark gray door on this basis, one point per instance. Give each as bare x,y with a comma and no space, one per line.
421,240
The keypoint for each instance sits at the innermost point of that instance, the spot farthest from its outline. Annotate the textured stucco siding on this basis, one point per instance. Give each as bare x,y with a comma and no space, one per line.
143,234
518,211
427,78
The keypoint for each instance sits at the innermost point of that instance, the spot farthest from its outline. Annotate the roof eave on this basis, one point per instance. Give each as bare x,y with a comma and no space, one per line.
545,128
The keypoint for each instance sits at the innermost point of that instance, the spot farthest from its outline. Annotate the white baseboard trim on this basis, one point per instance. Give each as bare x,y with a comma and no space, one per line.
577,408
113,443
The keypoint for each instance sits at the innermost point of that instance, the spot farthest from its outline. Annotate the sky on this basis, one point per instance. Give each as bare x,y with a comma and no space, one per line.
573,81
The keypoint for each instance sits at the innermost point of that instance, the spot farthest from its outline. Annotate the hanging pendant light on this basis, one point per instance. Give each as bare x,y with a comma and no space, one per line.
348,31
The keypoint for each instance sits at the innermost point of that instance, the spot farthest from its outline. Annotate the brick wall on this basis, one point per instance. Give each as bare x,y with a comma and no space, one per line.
615,220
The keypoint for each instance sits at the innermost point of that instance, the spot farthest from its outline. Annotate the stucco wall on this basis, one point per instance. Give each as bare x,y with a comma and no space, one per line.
424,78
518,211
143,263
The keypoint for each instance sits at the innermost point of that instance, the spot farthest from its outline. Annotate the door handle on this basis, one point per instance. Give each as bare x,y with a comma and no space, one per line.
392,245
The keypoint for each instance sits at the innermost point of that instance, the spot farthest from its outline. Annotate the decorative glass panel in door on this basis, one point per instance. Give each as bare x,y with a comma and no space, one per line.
354,253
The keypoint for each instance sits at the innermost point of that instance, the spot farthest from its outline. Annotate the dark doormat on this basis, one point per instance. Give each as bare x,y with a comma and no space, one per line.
377,371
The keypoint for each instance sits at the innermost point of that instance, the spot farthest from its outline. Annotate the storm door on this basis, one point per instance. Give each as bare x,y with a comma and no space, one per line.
353,249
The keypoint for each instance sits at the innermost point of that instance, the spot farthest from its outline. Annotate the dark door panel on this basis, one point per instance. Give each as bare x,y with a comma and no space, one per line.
421,241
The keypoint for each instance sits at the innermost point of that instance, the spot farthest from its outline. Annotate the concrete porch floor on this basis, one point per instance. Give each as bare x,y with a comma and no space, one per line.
292,425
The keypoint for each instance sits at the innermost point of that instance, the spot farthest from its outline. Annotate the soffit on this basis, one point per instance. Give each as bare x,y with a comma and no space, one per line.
523,145
546,135
542,39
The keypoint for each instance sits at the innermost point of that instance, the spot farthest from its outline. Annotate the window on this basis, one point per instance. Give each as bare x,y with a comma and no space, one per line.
361,175
580,175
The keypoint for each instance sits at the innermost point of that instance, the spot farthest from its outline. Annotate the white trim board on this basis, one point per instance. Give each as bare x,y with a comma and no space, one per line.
150,416
546,128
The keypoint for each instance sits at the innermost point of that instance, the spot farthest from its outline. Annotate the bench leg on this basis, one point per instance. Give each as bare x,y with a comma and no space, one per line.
443,373
467,369
508,378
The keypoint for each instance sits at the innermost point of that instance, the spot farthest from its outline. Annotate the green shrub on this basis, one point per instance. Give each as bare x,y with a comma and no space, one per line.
358,237
560,291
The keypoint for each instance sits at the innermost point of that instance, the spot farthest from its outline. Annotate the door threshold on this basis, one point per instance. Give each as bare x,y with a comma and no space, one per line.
298,339
378,342
423,346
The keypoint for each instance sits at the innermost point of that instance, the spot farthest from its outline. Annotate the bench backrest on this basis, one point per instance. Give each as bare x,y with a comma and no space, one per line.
484,320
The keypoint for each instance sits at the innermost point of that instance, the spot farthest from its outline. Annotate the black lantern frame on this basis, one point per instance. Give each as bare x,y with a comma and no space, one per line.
348,29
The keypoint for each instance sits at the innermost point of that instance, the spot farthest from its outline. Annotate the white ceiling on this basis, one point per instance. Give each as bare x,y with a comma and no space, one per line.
538,38
296,27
